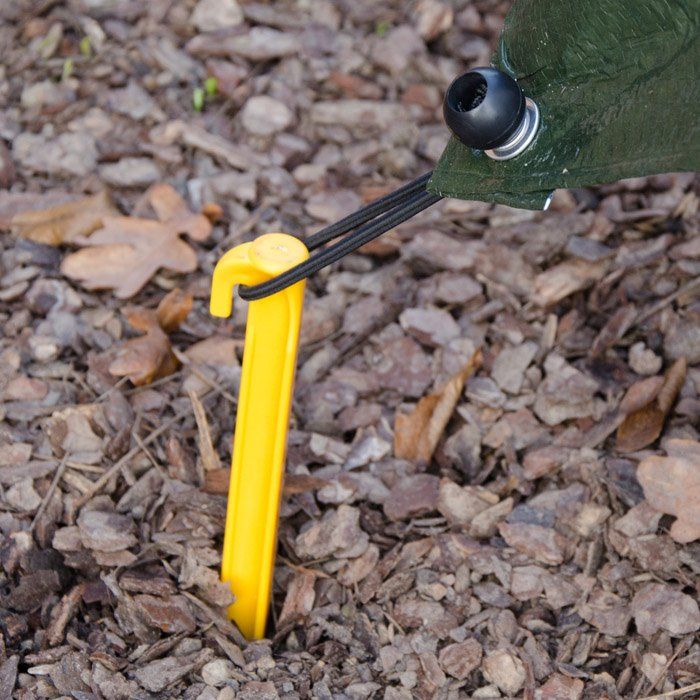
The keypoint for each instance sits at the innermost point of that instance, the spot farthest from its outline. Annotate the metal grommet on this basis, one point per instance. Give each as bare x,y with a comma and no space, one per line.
522,137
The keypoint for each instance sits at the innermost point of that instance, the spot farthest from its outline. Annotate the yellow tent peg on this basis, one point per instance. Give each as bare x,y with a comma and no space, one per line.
269,361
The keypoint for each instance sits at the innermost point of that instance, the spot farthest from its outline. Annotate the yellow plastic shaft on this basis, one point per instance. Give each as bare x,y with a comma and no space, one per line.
269,361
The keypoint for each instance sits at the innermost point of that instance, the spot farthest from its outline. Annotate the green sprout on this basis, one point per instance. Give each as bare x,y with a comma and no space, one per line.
67,69
86,47
382,27
211,86
198,99
200,95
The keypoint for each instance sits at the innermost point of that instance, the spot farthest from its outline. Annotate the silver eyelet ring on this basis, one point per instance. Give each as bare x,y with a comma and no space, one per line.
522,137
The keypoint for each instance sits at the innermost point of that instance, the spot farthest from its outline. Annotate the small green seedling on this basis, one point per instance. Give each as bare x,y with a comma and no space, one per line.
382,27
67,70
85,47
198,99
211,86
201,94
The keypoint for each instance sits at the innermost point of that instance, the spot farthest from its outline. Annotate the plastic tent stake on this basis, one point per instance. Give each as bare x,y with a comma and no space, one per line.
269,360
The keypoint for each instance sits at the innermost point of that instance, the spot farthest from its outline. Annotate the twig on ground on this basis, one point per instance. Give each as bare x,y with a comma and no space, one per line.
209,459
673,693
200,375
49,494
655,308
116,467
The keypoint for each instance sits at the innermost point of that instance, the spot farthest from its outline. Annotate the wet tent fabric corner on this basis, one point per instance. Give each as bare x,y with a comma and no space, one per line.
618,87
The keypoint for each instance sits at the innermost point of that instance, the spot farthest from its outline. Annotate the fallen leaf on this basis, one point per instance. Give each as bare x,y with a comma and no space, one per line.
170,207
127,251
64,223
173,309
214,212
150,356
675,377
13,203
672,485
643,425
640,394
417,434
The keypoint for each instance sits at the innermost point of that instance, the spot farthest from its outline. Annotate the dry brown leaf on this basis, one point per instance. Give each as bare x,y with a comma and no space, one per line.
417,434
672,485
213,211
675,377
145,358
169,206
640,394
127,251
409,428
644,423
64,223
14,203
173,309
640,428
150,356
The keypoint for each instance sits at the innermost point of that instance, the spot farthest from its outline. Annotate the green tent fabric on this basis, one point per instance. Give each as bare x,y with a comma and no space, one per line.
618,87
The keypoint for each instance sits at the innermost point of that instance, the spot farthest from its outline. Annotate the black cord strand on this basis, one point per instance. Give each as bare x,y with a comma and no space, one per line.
367,213
402,210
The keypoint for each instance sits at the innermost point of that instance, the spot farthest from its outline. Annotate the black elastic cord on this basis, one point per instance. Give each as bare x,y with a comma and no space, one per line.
367,213
403,209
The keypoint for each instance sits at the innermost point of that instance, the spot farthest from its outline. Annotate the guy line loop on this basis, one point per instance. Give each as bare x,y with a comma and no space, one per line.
362,226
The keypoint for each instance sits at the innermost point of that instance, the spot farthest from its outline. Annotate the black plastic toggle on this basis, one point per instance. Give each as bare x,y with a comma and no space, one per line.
484,108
